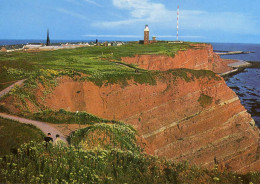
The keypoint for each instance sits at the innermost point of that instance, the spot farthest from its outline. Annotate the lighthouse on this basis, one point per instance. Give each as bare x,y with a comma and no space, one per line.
146,34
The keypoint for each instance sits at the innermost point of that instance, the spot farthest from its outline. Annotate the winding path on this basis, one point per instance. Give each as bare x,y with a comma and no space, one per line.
43,126
6,90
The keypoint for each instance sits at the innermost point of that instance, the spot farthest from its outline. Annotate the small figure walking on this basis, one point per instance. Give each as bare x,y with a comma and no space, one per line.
58,141
48,138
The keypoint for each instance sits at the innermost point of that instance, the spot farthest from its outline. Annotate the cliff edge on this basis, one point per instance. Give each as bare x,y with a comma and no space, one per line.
200,56
200,121
186,115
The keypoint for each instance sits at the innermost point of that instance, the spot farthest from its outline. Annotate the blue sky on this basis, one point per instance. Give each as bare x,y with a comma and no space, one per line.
233,21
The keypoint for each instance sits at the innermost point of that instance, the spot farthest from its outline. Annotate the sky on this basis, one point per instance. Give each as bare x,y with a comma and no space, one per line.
226,21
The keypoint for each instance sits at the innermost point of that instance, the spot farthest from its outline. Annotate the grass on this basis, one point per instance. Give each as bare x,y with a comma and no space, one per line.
63,116
106,136
34,163
13,134
93,61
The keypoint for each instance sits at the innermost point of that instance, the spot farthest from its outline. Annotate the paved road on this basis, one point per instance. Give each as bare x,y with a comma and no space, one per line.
43,126
6,90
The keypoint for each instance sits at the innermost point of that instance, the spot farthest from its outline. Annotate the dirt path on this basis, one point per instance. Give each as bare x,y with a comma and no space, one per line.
43,126
6,90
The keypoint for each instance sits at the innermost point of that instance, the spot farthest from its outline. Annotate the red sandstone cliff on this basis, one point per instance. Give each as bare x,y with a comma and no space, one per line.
197,58
170,118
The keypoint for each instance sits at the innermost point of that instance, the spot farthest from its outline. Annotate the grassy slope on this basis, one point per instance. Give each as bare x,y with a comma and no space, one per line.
88,60
13,134
36,164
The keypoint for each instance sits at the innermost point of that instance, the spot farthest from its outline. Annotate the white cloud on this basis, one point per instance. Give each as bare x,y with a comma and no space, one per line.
222,21
81,2
143,9
92,2
112,36
174,36
75,2
148,12
73,14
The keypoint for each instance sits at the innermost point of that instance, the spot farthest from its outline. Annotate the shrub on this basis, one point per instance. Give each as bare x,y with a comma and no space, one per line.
205,100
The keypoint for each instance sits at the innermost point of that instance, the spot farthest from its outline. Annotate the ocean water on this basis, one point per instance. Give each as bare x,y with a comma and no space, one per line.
245,84
239,47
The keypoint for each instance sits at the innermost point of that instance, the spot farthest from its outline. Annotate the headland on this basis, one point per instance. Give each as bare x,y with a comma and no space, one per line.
163,100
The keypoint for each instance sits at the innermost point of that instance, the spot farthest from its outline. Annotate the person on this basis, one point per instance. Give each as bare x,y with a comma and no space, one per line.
48,138
58,141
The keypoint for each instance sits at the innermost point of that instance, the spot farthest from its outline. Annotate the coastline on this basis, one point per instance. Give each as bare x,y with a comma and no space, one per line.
238,66
242,90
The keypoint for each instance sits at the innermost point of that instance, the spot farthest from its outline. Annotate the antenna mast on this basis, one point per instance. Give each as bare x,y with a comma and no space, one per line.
178,14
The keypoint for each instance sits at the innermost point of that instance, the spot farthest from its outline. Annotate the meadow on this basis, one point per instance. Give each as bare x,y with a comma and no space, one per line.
14,134
94,61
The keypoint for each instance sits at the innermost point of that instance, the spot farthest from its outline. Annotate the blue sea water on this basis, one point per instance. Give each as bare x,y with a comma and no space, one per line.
255,48
247,83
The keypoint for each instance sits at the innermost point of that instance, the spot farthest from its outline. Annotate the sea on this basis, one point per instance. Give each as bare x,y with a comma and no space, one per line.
245,84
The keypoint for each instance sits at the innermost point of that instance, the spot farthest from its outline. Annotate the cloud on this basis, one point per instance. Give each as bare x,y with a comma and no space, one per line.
92,2
143,9
75,2
112,36
73,14
80,3
222,21
147,12
111,24
174,36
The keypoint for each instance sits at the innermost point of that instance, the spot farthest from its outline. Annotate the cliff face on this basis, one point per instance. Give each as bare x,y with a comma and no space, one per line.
199,57
173,118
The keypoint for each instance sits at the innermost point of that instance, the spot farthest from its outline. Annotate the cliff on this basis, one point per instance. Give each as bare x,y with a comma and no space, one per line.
201,56
191,117
201,121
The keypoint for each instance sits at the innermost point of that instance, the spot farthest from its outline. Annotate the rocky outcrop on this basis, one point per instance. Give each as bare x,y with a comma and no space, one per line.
173,118
201,56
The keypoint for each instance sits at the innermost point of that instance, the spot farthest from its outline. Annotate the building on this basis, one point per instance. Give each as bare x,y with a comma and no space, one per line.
146,37
3,49
154,40
48,42
146,34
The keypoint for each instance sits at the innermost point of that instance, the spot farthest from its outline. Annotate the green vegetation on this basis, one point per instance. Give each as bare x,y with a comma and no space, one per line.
94,61
34,163
106,136
100,65
205,100
13,134
63,116
106,151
